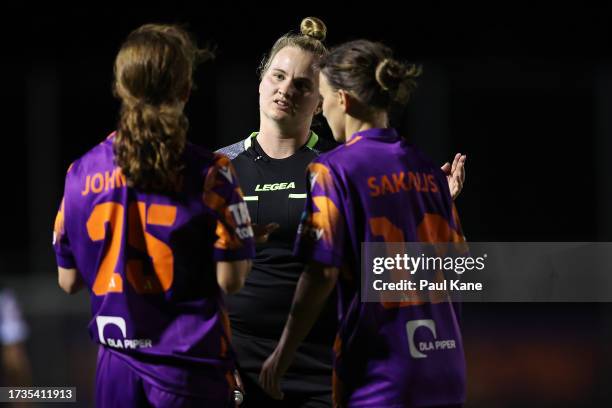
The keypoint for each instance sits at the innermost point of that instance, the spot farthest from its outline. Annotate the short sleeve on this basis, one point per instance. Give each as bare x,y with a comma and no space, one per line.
322,231
61,242
234,234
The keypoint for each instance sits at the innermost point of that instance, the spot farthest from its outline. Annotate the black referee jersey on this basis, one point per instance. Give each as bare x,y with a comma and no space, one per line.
275,191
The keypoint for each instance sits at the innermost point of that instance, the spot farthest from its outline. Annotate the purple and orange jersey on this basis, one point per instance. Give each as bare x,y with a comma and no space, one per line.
148,261
379,188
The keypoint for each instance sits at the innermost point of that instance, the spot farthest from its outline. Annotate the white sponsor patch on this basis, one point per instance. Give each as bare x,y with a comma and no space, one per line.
417,352
103,321
240,213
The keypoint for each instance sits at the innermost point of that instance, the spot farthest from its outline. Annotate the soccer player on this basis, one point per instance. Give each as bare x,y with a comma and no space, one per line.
350,203
156,229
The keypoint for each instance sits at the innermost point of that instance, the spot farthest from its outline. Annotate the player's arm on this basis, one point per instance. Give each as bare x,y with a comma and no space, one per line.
68,277
69,280
231,275
313,289
234,247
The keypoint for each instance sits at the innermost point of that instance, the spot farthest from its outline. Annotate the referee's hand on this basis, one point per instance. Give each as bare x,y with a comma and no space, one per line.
269,378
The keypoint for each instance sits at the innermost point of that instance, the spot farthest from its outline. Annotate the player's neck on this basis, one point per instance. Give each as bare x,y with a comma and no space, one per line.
280,143
354,125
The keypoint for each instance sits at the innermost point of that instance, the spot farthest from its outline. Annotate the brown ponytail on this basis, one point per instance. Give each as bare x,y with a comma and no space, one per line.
148,146
153,78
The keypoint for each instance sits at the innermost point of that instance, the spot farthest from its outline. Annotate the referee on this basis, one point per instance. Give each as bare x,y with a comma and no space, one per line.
275,192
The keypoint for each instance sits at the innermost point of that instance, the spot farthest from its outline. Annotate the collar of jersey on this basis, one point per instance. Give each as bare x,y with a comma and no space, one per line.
312,140
378,133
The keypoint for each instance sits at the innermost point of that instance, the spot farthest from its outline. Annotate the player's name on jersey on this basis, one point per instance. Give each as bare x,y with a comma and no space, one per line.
274,186
99,182
402,181
454,285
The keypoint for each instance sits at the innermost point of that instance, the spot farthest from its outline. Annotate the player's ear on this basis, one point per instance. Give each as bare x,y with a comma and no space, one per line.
344,99
349,104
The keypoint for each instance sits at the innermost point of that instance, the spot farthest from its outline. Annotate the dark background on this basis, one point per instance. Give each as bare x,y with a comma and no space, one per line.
526,93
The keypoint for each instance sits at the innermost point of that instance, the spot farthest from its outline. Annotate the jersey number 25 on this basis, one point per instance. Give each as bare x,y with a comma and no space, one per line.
160,255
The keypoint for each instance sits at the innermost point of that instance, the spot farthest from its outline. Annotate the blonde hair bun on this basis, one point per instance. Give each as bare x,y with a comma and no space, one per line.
313,27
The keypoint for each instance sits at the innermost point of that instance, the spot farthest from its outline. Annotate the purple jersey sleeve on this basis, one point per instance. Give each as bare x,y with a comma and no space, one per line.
322,231
223,195
61,243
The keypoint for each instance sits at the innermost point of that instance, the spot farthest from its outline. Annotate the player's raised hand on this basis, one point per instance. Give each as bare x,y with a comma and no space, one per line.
455,174
269,378
262,232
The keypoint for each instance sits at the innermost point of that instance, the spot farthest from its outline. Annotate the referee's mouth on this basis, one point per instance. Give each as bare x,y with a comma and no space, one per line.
284,104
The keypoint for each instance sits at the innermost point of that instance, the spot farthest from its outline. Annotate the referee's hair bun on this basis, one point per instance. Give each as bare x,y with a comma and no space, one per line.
314,28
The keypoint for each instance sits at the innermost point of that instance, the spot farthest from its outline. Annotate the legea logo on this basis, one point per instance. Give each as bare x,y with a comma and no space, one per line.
417,350
275,186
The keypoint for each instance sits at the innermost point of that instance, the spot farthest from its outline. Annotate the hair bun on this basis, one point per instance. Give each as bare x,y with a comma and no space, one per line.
397,78
389,73
314,28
